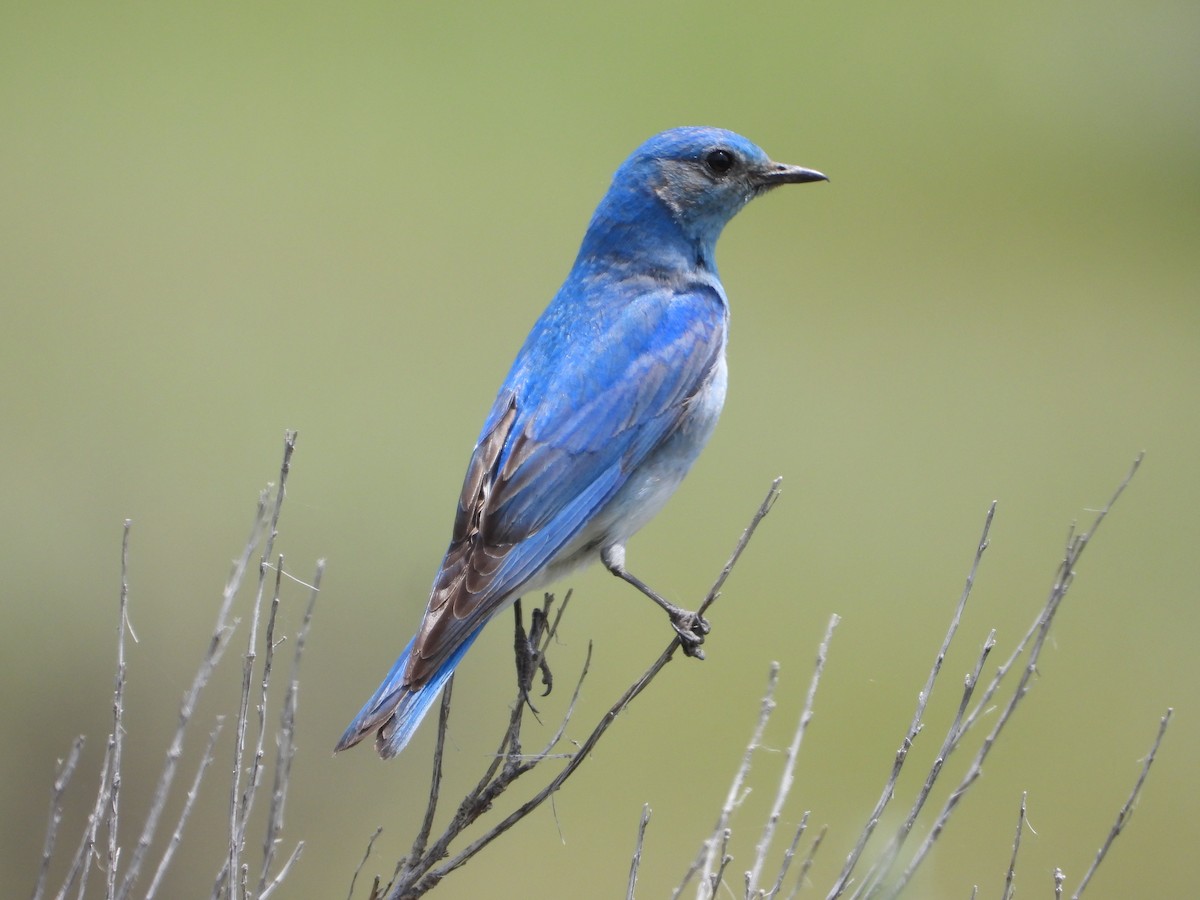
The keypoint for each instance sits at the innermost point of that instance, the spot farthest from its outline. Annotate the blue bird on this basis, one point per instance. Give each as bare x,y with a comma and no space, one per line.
610,400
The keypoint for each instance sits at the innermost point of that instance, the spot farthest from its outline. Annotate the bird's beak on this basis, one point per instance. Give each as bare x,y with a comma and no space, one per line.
779,173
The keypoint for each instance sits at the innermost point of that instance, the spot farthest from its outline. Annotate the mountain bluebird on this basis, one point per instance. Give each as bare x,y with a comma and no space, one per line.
609,402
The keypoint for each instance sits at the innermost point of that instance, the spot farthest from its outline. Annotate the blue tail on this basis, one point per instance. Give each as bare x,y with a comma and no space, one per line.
394,711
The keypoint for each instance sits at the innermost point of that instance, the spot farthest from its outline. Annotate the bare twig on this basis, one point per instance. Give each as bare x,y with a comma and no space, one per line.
283,872
114,802
1127,809
256,762
882,866
362,862
707,859
726,858
788,856
66,769
808,861
177,835
637,852
761,513
788,777
286,733
1010,879
435,780
81,865
108,795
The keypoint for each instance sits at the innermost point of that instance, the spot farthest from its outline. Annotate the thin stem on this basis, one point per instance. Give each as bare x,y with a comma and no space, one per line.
1127,809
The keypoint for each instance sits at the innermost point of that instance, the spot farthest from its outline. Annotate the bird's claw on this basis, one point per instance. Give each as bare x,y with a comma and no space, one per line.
529,660
691,628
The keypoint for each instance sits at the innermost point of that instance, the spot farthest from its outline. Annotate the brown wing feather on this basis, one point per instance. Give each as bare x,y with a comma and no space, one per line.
470,561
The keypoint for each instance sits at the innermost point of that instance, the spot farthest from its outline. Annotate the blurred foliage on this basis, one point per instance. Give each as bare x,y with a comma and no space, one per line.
221,220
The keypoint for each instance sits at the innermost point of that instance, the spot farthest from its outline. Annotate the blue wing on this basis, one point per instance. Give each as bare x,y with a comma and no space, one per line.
592,393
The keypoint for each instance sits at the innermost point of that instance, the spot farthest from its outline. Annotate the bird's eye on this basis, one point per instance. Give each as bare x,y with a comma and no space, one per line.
719,161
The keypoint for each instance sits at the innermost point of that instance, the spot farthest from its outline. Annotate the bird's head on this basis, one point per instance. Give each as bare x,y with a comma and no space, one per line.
700,177
706,175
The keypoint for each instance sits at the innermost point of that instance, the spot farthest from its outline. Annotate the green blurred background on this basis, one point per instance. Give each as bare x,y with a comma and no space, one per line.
221,220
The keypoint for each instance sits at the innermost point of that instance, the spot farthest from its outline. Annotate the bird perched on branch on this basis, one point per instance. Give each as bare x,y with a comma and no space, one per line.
611,398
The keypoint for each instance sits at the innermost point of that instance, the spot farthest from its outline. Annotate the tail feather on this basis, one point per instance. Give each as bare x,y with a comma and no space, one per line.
394,711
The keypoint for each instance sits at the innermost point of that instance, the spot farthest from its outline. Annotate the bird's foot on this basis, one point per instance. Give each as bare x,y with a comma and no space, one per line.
537,628
691,628
529,659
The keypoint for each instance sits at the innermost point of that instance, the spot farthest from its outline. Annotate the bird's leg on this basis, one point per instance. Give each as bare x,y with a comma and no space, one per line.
690,626
525,653
526,650
539,621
